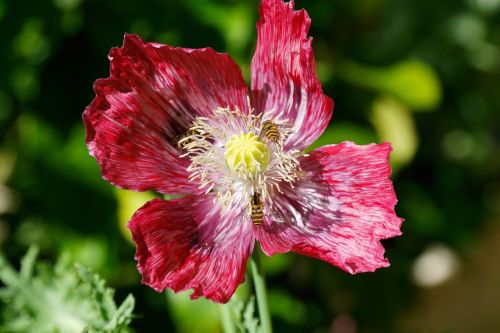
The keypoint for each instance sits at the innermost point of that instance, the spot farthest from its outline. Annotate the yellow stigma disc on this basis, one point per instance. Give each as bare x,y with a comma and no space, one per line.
246,153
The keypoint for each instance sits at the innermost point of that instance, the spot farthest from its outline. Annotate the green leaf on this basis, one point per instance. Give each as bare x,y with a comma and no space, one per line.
243,315
60,298
123,314
128,203
183,309
102,297
412,82
251,323
7,273
395,124
28,263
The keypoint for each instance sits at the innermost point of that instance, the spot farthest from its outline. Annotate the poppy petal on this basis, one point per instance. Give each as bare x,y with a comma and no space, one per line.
192,243
339,210
149,101
284,79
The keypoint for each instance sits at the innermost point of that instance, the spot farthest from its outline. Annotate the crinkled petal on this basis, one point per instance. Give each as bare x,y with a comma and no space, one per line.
190,243
149,101
284,79
339,210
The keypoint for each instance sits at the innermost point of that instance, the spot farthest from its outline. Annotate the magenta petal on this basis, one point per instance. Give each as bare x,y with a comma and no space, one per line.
340,209
189,243
150,99
284,74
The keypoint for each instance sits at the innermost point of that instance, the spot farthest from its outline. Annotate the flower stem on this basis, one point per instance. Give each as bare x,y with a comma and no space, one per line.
227,322
260,291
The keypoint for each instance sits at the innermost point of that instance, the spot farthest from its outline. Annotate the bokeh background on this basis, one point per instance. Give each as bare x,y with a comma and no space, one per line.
422,74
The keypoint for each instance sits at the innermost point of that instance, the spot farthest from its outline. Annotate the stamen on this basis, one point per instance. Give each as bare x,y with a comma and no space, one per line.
232,156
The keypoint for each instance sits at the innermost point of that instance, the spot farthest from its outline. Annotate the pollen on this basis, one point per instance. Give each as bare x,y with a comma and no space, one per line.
246,154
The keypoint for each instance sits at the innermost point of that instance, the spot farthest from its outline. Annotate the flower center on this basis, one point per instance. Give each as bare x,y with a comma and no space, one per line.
239,155
246,154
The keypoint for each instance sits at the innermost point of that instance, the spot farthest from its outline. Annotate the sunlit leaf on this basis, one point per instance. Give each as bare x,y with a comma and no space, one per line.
235,23
395,124
128,203
414,83
183,310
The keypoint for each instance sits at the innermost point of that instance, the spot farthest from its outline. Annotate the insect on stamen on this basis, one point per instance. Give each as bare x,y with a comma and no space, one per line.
270,131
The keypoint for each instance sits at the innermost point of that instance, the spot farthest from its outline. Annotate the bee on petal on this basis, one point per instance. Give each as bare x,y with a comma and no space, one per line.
256,205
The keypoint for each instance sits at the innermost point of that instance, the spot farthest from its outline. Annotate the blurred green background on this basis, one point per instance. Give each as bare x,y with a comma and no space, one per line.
422,74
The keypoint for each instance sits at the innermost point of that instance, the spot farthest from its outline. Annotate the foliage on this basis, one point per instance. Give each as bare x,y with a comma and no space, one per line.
241,316
247,323
65,298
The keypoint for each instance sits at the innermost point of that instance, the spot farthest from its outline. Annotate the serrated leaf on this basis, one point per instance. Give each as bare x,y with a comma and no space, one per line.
123,314
60,298
251,323
28,263
102,296
243,315
7,273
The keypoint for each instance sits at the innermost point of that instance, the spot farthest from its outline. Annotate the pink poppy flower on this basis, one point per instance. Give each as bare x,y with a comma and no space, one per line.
180,121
